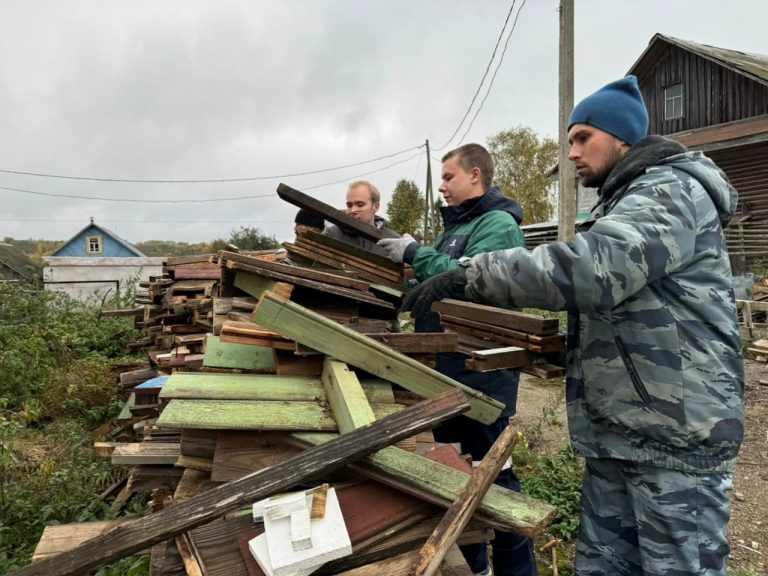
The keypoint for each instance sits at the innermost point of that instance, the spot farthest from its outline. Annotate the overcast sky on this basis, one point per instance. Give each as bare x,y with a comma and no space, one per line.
203,90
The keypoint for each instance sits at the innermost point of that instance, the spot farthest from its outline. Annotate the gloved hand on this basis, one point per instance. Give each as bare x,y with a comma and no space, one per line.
395,247
446,285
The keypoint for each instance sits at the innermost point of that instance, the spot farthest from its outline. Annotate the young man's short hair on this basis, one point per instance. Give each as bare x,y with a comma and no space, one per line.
474,156
375,194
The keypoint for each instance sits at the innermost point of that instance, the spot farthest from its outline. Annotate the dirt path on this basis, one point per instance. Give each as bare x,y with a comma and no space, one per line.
540,403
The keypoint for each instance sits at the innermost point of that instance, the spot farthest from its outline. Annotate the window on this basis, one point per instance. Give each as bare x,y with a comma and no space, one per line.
93,245
673,102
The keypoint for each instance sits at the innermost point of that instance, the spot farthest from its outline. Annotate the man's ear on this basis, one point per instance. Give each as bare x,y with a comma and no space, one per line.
476,175
376,206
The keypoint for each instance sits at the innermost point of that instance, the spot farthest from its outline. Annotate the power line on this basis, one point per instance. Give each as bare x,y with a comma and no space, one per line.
202,200
490,84
137,200
213,180
482,80
150,221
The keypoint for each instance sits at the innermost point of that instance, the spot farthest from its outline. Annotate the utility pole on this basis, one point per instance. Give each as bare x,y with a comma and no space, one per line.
428,195
566,204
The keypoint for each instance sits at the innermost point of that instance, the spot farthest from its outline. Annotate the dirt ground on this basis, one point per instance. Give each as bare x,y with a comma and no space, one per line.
540,403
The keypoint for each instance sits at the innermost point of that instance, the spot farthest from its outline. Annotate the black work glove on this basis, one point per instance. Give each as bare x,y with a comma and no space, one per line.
446,285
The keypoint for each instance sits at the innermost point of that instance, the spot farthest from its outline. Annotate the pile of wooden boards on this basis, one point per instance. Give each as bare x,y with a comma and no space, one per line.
760,349
753,314
268,375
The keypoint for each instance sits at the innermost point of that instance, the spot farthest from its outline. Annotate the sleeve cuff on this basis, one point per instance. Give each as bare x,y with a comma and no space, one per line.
410,252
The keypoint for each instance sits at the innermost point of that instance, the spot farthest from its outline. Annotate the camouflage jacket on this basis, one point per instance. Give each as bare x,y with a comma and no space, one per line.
655,371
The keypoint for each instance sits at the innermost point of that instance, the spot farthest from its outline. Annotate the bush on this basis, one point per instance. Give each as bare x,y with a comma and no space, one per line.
47,477
557,481
42,332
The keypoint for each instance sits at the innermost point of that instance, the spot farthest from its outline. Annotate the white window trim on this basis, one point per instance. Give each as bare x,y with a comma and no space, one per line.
671,100
100,242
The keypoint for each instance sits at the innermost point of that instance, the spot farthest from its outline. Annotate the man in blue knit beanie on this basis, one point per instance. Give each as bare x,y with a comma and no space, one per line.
655,378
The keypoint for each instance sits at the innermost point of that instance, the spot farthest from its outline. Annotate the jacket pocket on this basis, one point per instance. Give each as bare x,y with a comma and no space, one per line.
634,375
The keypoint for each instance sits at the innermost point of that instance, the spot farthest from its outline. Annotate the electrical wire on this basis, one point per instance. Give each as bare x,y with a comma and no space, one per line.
482,80
213,180
200,200
490,84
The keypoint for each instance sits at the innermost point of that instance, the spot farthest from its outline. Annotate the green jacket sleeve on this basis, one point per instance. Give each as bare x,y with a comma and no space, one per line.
496,230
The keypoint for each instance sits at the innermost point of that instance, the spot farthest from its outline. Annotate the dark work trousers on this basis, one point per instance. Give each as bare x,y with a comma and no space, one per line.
512,554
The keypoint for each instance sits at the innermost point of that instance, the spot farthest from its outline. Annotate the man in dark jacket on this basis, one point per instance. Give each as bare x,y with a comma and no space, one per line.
655,376
477,219
363,202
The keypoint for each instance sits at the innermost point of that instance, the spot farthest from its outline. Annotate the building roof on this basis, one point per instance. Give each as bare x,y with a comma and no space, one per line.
14,259
754,66
104,231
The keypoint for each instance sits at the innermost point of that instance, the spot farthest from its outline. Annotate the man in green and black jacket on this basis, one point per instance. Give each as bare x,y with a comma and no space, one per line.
477,219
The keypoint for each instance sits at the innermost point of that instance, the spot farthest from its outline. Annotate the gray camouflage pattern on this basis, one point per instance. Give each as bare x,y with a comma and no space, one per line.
675,525
655,371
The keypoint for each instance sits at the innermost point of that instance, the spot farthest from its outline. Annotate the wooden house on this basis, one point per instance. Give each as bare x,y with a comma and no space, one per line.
95,263
714,100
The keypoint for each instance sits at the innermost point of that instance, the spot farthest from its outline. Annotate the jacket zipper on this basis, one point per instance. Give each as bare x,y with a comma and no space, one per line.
637,382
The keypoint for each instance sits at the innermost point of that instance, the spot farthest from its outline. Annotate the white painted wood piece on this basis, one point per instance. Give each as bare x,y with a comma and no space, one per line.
329,538
301,531
260,553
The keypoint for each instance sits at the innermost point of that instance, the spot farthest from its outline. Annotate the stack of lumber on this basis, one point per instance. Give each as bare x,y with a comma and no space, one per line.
299,382
753,314
494,338
760,349
234,440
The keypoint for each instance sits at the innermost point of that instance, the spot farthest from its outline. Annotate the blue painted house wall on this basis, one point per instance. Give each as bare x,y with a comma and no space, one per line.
111,245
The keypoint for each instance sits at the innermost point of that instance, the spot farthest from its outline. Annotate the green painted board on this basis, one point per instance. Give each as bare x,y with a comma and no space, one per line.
254,284
346,396
220,354
125,413
208,386
254,415
320,333
501,508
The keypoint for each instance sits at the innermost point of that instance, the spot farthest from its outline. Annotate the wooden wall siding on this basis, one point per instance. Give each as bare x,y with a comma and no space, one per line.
747,169
712,94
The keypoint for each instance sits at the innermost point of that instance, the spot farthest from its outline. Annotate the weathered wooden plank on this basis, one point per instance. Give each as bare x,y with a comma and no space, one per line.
253,415
220,354
501,508
497,316
316,331
458,515
256,285
297,271
146,453
453,565
544,370
206,386
346,396
241,453
212,504
418,343
400,539
504,335
496,358
63,537
244,271
331,214
217,545
378,261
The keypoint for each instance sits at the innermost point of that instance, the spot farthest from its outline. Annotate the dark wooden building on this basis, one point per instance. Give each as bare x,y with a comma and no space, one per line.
716,100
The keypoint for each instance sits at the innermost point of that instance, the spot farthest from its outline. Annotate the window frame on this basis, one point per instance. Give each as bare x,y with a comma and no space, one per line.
671,100
99,244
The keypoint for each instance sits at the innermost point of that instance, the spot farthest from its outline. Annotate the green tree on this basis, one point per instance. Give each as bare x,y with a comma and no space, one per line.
522,162
406,209
247,238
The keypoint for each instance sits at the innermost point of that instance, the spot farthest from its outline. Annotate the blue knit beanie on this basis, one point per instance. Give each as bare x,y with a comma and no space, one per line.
616,108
